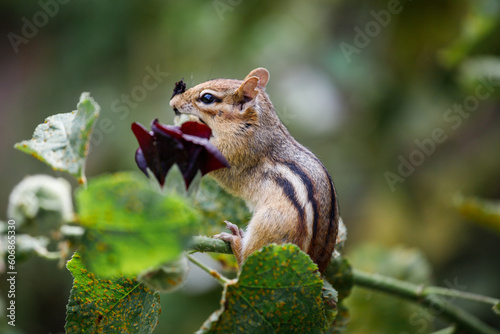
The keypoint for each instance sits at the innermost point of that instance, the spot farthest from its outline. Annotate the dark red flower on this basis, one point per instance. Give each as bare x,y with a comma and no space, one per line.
188,146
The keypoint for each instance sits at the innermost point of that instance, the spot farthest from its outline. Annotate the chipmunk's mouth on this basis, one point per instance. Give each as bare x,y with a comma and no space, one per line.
181,118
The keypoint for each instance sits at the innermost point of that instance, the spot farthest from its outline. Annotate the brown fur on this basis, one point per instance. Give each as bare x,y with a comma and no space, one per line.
289,190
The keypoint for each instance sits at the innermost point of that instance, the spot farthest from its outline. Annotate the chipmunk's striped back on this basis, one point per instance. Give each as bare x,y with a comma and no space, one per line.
310,190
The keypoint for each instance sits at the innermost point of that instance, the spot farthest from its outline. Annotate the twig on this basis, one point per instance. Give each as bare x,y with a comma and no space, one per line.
435,290
207,244
221,279
414,293
447,330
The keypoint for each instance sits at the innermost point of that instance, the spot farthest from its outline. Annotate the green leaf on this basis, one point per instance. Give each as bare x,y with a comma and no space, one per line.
341,320
279,290
40,204
168,277
62,141
479,70
26,245
330,299
216,206
496,308
130,227
116,305
341,237
485,212
477,24
339,274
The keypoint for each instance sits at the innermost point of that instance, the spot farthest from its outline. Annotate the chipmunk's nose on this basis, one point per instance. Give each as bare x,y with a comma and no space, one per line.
174,106
172,102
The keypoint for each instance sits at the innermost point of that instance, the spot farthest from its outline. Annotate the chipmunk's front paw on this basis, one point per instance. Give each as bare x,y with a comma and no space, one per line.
235,230
234,239
235,234
224,236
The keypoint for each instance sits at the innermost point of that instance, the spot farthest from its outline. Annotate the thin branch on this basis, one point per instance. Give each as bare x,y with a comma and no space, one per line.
413,292
447,330
434,290
44,253
221,279
207,244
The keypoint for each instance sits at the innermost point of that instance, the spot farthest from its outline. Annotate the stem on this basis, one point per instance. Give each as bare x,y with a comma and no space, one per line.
447,330
434,290
221,279
417,294
207,244
44,253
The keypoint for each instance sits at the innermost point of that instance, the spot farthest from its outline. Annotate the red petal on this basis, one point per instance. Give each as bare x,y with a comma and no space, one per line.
162,129
143,136
214,158
196,129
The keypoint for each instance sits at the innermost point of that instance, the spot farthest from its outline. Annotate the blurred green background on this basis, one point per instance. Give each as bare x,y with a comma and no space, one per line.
364,84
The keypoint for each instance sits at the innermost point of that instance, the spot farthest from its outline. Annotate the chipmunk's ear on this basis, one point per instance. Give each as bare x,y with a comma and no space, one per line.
262,74
248,89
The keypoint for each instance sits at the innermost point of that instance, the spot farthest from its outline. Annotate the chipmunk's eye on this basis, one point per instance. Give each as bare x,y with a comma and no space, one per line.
208,98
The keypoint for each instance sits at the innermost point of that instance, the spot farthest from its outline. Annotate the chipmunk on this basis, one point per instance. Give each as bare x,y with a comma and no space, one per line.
287,188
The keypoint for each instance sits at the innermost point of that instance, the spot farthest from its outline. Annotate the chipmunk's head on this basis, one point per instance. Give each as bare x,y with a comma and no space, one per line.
229,107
